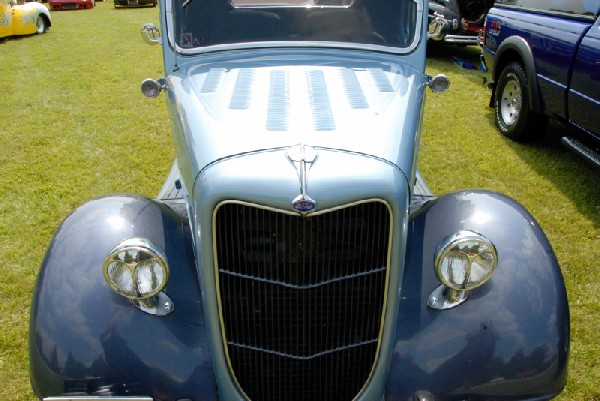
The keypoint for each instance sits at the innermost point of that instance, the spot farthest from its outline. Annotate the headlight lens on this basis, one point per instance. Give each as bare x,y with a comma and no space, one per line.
465,260
136,269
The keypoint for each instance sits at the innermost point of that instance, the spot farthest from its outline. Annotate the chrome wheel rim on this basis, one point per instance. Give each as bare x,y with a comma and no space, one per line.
510,101
39,25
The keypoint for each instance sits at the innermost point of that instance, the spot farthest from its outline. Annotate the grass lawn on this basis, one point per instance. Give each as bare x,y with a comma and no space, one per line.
74,125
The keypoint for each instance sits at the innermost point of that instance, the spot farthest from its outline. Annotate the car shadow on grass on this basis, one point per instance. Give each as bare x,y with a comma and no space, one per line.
576,178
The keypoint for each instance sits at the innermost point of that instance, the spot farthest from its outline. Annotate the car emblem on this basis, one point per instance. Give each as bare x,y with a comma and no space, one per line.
302,158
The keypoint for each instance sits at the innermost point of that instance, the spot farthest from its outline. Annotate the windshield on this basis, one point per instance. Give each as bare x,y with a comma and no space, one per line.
205,23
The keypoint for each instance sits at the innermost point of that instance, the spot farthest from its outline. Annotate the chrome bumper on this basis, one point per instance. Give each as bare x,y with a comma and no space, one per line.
438,27
463,39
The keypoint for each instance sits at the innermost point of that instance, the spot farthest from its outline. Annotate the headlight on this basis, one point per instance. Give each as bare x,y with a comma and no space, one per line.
136,269
463,261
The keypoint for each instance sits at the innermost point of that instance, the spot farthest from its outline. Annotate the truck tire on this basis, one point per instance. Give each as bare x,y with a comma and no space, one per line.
514,117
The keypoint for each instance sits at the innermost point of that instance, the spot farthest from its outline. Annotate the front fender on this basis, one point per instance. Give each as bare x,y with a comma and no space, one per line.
85,339
510,339
515,48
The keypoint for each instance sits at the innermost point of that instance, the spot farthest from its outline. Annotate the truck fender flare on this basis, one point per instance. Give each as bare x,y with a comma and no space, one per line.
511,334
515,48
85,339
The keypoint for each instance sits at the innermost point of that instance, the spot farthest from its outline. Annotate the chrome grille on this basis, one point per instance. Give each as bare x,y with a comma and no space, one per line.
301,298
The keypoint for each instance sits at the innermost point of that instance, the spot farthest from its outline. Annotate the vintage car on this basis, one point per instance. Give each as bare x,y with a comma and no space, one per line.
135,3
295,252
58,5
457,21
23,19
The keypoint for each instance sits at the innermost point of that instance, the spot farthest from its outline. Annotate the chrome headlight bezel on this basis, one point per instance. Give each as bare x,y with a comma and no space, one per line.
466,255
143,268
463,261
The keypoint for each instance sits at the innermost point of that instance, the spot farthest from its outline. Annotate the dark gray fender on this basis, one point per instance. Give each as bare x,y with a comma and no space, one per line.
515,48
510,339
86,339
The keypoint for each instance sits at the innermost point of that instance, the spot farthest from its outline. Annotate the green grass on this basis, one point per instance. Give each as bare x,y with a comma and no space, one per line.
74,125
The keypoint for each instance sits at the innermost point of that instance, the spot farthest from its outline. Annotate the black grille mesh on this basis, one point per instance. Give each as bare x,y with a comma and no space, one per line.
301,298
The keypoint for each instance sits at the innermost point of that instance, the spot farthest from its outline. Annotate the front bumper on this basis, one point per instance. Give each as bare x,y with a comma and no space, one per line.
135,3
445,30
458,39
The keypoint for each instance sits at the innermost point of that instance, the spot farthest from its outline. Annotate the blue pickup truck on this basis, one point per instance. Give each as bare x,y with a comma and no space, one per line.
543,58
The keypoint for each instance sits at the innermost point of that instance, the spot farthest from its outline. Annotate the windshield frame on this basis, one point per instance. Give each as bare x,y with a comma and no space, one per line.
171,15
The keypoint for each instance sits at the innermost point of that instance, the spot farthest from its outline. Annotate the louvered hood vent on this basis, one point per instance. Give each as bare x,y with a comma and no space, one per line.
229,109
312,84
302,298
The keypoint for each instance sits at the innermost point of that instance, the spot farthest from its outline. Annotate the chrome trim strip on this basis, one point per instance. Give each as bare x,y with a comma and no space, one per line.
302,44
170,21
304,287
582,150
303,358
473,40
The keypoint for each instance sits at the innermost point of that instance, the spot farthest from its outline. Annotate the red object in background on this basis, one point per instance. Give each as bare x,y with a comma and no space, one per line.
58,5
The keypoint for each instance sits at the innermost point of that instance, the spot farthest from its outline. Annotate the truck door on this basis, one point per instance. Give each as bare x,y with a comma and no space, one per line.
583,101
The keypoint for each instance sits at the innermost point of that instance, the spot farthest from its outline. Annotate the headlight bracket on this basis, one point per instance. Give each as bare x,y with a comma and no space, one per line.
443,297
157,305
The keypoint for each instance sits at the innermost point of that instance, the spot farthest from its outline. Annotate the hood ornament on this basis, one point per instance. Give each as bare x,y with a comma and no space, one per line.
302,158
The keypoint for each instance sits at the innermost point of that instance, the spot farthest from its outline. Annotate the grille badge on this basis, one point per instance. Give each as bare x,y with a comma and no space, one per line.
302,158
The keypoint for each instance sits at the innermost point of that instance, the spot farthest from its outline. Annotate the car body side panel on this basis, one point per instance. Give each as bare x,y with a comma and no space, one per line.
24,19
510,339
554,48
6,19
21,19
584,92
86,339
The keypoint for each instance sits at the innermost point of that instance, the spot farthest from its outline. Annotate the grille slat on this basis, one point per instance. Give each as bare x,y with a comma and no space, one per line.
301,298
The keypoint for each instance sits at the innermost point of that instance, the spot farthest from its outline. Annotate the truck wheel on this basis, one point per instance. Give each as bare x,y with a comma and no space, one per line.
514,117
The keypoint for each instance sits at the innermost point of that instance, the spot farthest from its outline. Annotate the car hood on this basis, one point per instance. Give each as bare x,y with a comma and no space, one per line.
225,109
